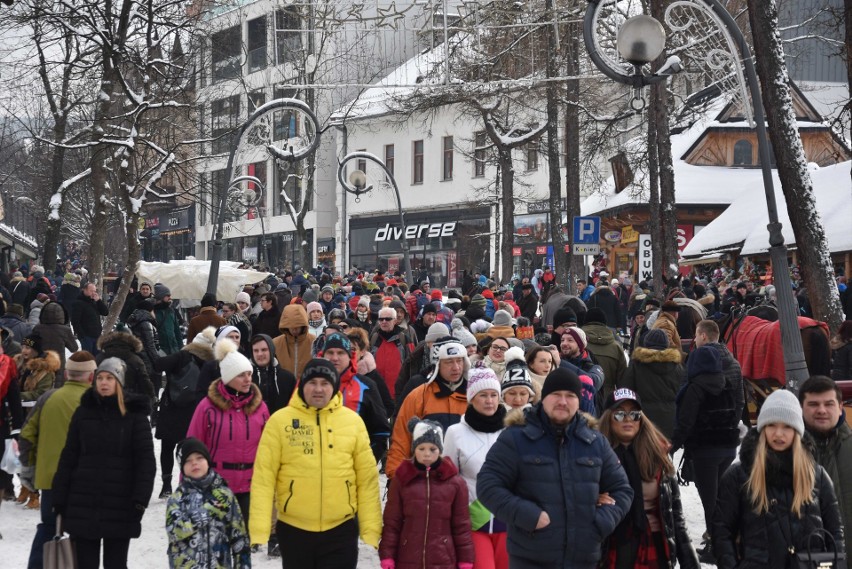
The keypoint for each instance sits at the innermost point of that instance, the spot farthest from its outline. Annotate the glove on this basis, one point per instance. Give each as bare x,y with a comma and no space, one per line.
465,565
391,564
27,476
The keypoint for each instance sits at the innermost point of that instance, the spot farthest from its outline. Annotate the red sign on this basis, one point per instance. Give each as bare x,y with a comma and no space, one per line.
152,222
393,265
541,250
516,252
568,248
685,233
452,268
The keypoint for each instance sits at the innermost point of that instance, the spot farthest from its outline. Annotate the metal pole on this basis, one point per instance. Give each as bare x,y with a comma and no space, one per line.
791,339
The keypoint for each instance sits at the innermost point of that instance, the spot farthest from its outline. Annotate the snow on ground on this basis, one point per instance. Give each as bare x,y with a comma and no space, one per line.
17,526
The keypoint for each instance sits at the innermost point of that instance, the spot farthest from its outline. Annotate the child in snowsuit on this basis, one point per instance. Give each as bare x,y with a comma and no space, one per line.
427,508
203,520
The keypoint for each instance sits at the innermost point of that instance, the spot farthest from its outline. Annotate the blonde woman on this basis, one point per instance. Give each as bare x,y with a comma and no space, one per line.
772,501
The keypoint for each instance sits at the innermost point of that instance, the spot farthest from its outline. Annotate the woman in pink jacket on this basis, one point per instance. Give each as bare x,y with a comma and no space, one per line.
230,420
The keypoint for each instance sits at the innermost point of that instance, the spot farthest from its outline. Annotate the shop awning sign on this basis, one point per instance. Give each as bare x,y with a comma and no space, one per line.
629,235
587,235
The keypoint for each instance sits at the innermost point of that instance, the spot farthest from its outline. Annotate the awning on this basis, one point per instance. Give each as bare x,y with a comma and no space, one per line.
704,260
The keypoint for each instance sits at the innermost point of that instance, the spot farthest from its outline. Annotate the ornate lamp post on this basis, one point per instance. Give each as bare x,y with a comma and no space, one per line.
257,135
705,31
242,200
357,184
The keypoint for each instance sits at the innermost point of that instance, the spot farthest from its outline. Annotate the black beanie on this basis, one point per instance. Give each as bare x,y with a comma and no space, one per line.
595,315
319,367
562,379
564,315
188,446
209,299
34,341
703,360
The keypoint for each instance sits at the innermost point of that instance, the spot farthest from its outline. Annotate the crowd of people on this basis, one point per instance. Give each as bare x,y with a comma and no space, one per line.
518,426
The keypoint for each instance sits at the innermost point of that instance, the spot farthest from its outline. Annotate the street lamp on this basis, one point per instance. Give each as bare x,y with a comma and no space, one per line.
710,33
258,132
357,184
242,201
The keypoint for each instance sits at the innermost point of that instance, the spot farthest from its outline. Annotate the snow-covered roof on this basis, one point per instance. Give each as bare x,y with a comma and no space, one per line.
424,68
746,219
827,98
18,234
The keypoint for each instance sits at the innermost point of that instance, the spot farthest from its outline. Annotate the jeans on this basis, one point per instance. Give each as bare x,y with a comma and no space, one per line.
710,465
44,531
336,548
89,553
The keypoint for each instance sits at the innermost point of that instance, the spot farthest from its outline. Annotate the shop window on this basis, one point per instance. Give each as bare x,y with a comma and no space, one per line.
447,158
621,172
224,117
288,36
743,153
225,53
258,170
285,124
219,185
417,162
480,147
389,158
257,44
532,149
361,162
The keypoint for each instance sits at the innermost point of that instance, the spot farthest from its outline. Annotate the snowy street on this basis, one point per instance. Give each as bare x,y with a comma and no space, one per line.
17,526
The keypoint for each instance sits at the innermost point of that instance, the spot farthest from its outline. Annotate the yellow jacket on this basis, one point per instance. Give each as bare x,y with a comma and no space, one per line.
318,466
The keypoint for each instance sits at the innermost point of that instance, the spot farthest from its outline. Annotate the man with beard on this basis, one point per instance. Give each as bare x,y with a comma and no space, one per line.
575,358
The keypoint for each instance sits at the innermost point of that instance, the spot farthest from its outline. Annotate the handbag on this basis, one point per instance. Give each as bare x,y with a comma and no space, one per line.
819,559
59,552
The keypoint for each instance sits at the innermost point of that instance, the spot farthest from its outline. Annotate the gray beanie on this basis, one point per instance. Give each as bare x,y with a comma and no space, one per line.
116,368
436,332
502,318
781,407
425,431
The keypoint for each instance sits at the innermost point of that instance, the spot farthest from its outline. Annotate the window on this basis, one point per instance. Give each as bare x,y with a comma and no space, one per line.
288,181
225,53
531,149
479,150
389,157
743,153
257,44
256,99
224,117
417,162
219,184
288,36
361,163
285,123
448,158
258,170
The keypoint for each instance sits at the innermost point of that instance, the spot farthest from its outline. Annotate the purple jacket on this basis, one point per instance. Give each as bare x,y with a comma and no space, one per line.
231,429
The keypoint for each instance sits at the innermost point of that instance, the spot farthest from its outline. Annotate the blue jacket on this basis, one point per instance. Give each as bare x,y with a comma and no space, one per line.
533,468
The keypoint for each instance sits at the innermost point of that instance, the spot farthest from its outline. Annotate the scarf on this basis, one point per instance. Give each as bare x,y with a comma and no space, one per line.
485,423
635,521
779,468
362,316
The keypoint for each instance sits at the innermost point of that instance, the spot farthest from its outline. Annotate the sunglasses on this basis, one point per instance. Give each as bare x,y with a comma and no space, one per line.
386,319
620,416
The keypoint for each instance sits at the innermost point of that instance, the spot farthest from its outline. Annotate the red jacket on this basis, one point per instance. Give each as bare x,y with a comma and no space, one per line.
426,519
389,354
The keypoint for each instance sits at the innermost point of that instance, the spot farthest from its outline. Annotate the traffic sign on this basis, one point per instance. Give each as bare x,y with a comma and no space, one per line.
587,235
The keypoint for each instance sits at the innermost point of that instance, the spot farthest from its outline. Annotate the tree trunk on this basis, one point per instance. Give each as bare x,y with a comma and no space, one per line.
668,200
54,219
131,230
507,206
847,19
656,228
578,268
562,270
817,268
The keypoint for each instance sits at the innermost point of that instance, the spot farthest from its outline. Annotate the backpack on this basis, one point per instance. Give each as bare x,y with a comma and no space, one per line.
182,385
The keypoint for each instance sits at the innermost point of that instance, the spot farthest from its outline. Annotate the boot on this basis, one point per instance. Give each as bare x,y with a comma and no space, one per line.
166,491
34,503
272,548
9,495
23,496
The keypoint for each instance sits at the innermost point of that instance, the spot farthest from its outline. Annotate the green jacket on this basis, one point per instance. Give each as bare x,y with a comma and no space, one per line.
44,433
168,328
608,354
834,454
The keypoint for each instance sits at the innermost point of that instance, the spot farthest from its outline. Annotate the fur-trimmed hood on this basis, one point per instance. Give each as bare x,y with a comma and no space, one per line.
647,355
122,339
518,417
225,404
200,351
707,300
49,362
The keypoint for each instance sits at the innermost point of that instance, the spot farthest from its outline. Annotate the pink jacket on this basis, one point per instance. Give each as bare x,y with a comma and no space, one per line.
231,429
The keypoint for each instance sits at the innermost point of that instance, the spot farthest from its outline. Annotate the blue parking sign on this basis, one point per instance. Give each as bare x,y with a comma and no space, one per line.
587,235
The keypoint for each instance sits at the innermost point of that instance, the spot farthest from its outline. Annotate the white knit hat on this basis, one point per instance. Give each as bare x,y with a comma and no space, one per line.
243,297
446,350
781,407
479,379
231,362
206,337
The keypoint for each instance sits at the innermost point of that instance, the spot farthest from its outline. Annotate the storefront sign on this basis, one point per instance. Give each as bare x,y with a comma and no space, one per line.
517,251
152,222
612,236
646,268
452,268
629,235
326,251
544,206
177,222
393,265
531,228
249,253
541,250
429,230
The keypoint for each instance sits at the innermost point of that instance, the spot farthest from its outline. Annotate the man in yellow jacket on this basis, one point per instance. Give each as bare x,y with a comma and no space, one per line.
314,458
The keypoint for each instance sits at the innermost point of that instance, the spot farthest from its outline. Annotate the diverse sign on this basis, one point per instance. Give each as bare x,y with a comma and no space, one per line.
645,258
587,235
428,230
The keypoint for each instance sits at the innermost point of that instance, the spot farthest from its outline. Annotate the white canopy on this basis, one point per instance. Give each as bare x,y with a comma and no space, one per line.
187,280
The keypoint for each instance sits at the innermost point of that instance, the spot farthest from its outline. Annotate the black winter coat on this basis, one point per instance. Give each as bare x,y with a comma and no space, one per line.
86,316
743,539
68,293
172,421
55,333
532,468
20,290
704,417
841,364
604,299
267,323
126,347
656,375
528,305
143,324
106,471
